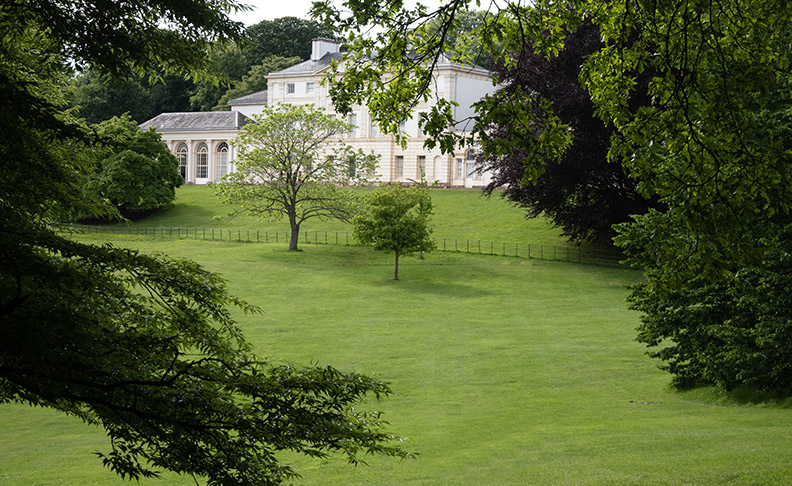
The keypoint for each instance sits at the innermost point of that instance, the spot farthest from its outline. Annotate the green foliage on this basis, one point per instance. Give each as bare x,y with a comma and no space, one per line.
714,145
142,346
98,98
261,52
698,94
128,38
287,167
136,170
229,65
284,37
146,348
256,79
396,219
729,326
461,39
391,70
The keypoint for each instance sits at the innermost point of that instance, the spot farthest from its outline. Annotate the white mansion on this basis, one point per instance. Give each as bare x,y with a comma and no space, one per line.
201,140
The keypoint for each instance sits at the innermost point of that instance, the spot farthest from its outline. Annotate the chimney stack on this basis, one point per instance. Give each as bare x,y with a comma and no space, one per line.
321,46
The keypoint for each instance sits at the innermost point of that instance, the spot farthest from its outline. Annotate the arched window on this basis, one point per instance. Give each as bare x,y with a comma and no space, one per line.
202,162
222,160
470,163
181,156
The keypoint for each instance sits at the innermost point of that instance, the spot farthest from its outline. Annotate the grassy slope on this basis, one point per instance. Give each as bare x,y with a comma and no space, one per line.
508,371
462,214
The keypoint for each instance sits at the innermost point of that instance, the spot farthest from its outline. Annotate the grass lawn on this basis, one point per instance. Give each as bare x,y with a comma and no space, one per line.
462,214
507,372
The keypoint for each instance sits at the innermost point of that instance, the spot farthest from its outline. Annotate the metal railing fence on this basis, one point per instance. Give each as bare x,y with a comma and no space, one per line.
474,246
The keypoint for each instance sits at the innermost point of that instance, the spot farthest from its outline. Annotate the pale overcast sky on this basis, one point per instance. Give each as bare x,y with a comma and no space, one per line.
274,9
269,10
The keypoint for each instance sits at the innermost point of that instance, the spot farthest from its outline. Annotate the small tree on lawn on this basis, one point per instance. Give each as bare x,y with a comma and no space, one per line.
288,166
396,220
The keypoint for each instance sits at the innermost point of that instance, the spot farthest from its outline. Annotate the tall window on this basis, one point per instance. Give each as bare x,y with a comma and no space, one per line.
374,129
353,121
352,167
470,162
222,160
399,166
459,169
202,162
181,156
309,88
402,126
290,88
421,166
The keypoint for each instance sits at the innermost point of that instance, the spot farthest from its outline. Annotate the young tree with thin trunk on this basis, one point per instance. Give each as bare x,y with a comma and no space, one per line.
396,220
288,166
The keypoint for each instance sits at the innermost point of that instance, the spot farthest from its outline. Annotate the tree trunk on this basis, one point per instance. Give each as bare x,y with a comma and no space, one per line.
396,267
295,233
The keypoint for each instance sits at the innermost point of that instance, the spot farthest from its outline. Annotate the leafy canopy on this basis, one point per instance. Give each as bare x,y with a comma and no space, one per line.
396,219
255,56
136,171
289,166
142,346
582,192
697,92
256,79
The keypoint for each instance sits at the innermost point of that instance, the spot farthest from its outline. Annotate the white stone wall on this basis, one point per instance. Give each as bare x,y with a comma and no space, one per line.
453,83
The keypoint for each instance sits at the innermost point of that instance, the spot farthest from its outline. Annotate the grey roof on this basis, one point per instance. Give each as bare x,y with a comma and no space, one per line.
310,66
197,121
257,98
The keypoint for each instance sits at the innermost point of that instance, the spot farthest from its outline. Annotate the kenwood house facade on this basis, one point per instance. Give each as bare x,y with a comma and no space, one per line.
201,141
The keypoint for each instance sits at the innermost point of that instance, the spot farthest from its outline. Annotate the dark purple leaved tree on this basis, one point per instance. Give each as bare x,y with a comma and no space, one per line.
583,193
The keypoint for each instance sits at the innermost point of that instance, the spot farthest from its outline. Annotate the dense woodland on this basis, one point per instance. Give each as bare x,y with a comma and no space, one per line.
241,68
